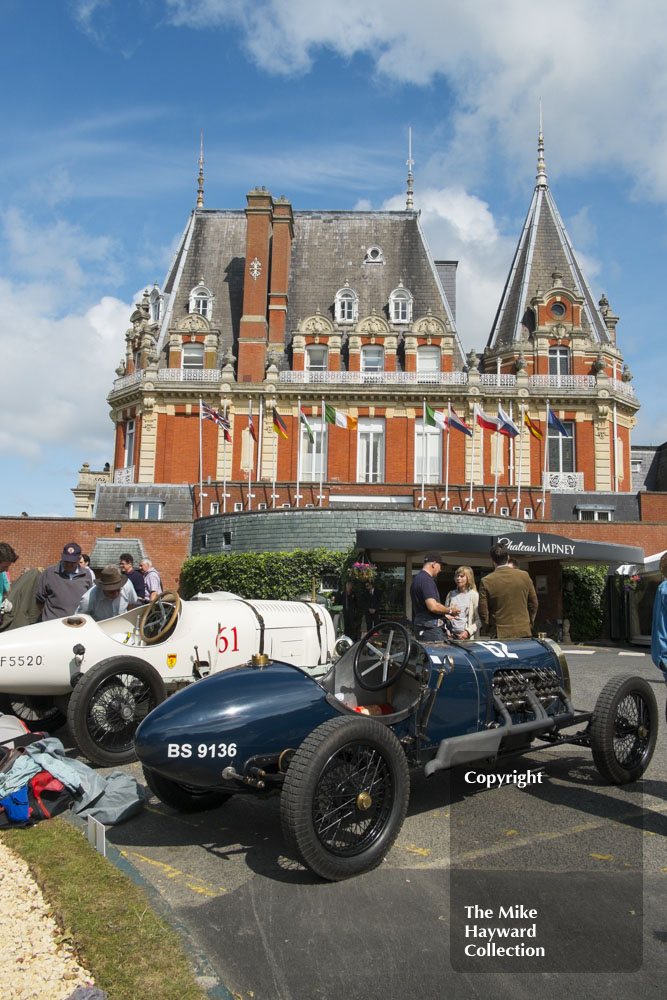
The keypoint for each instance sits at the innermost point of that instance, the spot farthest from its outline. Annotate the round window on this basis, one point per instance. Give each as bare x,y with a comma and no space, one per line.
558,309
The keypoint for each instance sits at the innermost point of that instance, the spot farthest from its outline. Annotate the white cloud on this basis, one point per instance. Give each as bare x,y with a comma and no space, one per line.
460,226
599,67
60,342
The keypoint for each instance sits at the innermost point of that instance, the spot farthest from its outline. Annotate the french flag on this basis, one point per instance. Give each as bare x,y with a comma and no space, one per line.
484,420
505,423
457,423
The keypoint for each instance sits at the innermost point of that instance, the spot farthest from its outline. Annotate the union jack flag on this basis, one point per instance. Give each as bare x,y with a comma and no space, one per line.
210,413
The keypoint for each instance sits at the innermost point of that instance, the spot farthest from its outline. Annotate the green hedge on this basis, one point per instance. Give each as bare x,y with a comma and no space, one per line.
583,601
282,576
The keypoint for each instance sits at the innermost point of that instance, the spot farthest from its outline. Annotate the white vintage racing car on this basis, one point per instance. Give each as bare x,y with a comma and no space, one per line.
104,677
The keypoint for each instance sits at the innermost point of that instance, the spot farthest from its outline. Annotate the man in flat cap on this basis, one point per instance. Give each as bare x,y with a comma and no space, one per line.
427,612
62,585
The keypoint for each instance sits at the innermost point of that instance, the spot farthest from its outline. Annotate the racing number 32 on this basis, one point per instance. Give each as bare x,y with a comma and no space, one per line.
224,640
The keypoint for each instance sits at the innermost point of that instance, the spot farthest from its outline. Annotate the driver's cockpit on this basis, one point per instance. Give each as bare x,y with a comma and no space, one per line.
385,672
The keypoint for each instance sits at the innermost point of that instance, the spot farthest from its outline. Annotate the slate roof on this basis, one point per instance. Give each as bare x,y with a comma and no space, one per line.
112,500
328,248
544,247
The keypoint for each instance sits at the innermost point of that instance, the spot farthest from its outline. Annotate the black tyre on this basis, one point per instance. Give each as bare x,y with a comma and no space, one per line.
183,798
107,705
37,711
624,729
345,796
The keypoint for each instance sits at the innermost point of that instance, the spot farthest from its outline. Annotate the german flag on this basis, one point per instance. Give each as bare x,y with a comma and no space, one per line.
279,424
532,427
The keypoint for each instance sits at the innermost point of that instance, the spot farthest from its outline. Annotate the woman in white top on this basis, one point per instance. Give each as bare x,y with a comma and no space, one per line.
463,602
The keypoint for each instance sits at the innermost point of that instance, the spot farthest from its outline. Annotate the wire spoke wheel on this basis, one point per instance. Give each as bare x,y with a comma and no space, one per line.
345,796
624,729
353,800
107,705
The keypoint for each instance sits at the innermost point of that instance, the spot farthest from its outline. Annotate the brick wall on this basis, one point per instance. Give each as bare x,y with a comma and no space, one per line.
653,507
40,540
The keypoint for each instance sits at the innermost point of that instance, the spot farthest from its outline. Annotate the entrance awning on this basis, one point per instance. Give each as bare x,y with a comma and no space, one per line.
532,546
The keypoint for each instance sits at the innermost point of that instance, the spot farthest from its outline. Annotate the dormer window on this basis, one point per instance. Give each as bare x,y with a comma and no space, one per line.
201,301
347,305
559,361
400,305
558,309
374,255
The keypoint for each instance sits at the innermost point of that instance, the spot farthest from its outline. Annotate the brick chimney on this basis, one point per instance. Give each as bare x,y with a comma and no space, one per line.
283,233
254,328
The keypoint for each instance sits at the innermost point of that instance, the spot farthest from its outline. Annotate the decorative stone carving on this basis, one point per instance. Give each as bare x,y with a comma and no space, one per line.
122,368
255,268
373,326
520,362
316,325
626,376
473,361
194,323
429,326
598,365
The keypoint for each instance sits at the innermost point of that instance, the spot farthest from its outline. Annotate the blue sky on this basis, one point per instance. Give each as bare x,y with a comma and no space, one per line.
103,105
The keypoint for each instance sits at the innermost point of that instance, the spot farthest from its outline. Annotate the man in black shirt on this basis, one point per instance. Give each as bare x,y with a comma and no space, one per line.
427,611
136,578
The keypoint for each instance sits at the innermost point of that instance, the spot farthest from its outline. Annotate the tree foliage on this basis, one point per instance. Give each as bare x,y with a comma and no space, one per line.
583,601
282,576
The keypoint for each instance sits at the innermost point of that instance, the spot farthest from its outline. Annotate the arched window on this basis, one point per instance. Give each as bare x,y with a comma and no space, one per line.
193,355
559,361
347,305
201,301
400,305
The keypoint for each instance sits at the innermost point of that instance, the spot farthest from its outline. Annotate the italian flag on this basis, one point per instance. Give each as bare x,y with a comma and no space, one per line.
340,419
435,418
304,420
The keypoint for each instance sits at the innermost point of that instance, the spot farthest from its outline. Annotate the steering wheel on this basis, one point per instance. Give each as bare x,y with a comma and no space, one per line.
159,616
384,650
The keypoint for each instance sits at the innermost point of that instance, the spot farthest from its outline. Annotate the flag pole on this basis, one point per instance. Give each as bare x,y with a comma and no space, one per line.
321,498
224,466
251,443
298,456
495,478
546,460
201,470
510,452
449,415
260,437
423,498
275,465
518,485
472,453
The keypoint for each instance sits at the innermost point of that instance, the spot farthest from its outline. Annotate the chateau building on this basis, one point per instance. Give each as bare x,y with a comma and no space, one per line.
297,359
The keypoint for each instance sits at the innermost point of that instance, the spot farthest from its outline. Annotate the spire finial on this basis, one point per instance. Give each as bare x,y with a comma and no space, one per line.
409,163
541,165
200,188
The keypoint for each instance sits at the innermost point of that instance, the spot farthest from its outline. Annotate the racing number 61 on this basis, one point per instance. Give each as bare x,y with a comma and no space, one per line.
223,640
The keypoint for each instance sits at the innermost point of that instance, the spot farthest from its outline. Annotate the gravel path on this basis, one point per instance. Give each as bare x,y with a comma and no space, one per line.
33,964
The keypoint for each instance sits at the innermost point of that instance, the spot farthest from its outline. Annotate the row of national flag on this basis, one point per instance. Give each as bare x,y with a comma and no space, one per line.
449,420
501,423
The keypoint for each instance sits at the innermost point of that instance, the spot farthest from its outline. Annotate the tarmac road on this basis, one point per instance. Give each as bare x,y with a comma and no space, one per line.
588,858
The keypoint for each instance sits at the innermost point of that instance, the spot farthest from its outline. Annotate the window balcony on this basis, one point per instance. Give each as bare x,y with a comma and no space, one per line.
576,382
374,378
617,385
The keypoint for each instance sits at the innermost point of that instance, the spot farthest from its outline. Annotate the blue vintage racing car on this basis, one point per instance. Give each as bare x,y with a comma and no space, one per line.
339,745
